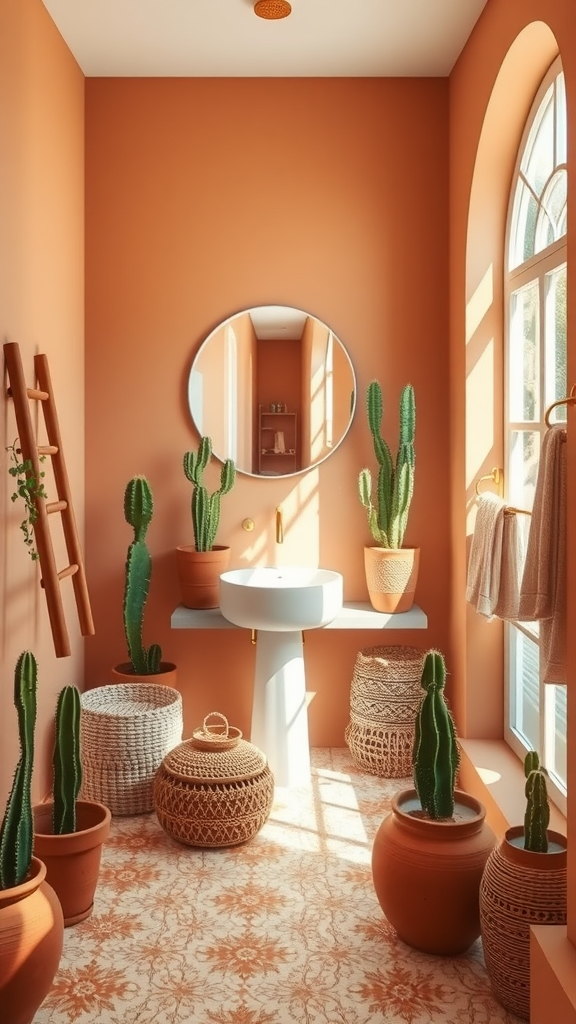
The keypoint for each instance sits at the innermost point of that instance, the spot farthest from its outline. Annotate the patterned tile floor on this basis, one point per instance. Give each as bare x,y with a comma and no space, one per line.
285,928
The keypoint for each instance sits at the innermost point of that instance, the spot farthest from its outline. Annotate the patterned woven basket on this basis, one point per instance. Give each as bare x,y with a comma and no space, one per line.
127,729
214,789
384,698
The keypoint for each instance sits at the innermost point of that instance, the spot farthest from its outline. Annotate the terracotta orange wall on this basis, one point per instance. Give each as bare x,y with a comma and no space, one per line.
491,91
42,309
197,206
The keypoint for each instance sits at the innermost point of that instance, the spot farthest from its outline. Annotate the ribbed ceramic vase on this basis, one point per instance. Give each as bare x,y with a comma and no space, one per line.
73,860
427,873
31,938
391,577
519,888
199,575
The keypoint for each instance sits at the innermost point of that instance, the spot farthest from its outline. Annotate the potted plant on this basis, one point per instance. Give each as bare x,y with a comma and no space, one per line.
144,661
429,852
199,567
524,883
391,569
31,924
69,833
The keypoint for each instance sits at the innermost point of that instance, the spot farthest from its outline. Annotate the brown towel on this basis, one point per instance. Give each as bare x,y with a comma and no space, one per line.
543,588
511,567
484,562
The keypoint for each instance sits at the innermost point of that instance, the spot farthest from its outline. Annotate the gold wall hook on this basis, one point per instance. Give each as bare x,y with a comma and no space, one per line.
496,475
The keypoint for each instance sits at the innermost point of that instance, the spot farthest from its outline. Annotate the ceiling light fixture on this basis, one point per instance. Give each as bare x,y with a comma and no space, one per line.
272,10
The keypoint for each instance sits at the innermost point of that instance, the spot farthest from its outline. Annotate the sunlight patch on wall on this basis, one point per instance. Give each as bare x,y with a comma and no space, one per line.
479,413
479,304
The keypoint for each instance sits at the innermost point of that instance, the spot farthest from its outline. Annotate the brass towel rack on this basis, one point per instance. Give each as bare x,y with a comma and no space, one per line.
568,400
496,475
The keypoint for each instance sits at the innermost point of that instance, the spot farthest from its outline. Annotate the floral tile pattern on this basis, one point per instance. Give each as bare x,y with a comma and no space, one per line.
285,928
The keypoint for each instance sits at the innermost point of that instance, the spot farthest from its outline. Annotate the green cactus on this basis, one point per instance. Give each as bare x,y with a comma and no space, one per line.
138,511
66,761
537,816
435,755
17,831
388,518
206,507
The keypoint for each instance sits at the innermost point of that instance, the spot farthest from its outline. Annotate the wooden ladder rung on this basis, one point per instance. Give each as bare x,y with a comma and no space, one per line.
51,578
55,506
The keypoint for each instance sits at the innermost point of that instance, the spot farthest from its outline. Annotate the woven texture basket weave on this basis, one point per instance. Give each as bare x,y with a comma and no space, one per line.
384,698
127,729
214,789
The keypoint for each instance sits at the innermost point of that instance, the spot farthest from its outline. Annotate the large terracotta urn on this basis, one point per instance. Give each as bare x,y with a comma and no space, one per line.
519,888
427,873
31,938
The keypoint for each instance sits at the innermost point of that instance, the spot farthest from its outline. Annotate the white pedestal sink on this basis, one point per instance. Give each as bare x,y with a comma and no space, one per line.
280,603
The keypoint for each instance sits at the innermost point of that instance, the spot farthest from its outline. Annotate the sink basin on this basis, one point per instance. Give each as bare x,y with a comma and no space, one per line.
281,600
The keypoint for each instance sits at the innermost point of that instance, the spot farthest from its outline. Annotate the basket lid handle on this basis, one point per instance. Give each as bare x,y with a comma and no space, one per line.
215,714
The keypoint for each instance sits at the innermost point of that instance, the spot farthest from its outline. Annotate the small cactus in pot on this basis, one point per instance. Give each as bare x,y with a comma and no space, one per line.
138,512
388,511
435,754
205,507
537,815
17,830
67,767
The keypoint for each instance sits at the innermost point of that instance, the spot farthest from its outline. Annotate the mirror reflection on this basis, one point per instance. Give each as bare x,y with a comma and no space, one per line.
275,390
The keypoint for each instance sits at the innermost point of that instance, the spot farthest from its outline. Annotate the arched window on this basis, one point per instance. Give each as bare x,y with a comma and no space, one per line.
535,317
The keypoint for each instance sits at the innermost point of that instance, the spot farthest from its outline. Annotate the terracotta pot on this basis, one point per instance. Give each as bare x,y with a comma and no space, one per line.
391,577
73,861
519,888
31,938
125,673
427,873
199,575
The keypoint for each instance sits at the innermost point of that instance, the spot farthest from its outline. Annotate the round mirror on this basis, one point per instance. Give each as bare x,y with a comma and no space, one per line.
275,390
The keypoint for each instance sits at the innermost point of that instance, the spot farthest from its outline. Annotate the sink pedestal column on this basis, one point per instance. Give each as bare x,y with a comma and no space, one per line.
279,712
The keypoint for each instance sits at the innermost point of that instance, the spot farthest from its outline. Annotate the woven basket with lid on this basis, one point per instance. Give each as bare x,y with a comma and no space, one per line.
215,789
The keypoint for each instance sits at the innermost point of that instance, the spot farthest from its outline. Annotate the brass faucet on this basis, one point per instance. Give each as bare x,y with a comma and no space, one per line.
279,526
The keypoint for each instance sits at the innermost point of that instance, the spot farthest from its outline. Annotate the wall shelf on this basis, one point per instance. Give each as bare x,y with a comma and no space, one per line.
354,615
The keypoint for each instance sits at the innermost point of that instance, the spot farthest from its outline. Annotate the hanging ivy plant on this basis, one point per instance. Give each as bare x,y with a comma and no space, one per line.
29,487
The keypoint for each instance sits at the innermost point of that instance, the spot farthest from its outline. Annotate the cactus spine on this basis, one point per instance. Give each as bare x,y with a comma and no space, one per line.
388,518
17,831
138,511
435,755
66,761
537,816
206,507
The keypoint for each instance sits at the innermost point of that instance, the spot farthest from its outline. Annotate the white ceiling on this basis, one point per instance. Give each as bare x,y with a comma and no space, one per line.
224,38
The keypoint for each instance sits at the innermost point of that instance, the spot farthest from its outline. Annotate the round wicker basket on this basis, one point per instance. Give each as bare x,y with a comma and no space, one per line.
126,731
384,698
215,789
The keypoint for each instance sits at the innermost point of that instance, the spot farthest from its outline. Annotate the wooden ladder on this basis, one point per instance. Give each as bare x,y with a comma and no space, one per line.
51,578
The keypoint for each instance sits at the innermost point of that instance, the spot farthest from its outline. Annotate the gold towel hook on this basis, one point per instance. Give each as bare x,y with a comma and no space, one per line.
569,400
496,475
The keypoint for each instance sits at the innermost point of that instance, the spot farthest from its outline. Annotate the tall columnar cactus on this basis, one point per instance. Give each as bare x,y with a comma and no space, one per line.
205,506
388,517
537,816
66,761
138,511
17,831
435,755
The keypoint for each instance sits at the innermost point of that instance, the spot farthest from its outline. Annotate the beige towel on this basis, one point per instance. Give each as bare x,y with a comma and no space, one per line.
511,567
484,562
543,588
